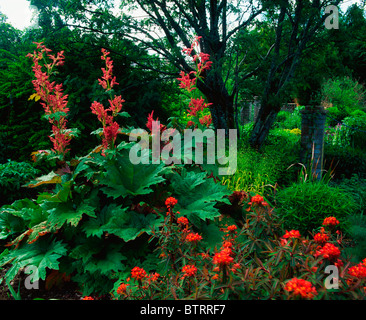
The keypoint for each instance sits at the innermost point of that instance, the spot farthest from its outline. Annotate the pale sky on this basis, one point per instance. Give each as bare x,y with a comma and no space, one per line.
20,14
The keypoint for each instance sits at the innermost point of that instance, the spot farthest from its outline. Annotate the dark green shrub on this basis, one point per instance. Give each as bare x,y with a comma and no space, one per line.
357,232
281,118
346,160
355,129
345,95
289,120
12,176
304,206
355,186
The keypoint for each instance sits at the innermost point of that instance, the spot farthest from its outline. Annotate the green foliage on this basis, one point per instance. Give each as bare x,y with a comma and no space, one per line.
357,232
260,171
356,186
355,130
140,176
289,120
304,206
356,223
345,95
94,215
252,258
94,222
197,195
13,175
345,160
43,255
256,172
337,136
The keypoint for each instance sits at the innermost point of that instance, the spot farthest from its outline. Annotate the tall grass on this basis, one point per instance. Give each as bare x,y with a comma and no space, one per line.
261,171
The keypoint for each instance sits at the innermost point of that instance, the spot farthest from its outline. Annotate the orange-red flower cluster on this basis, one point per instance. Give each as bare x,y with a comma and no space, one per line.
359,270
138,273
223,257
189,271
193,237
321,237
301,287
231,228
330,221
328,251
122,289
170,202
257,200
153,277
291,234
182,221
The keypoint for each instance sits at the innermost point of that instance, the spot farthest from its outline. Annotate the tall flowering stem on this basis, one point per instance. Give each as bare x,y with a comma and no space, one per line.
189,80
106,116
54,101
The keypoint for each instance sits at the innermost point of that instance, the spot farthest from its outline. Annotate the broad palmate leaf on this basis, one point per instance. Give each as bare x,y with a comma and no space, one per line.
123,178
121,222
42,255
197,195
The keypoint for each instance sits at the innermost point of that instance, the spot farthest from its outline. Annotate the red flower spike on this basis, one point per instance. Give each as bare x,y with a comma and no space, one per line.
54,101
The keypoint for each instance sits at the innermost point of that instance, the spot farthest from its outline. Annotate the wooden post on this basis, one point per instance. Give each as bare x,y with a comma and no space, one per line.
312,138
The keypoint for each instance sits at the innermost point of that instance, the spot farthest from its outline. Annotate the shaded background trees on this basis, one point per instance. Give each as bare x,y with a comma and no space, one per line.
277,50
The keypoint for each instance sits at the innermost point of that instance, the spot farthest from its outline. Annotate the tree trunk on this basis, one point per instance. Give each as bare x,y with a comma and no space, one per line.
266,117
222,108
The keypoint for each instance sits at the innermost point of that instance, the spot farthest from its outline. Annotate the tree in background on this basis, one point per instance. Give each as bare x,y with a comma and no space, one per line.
296,23
273,49
164,28
21,129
